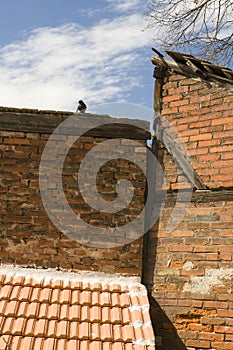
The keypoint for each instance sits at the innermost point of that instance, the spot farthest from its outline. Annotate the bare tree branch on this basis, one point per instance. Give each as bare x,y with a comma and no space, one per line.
201,27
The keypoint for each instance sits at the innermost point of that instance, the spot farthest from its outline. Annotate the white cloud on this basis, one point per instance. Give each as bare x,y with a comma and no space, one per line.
124,5
53,67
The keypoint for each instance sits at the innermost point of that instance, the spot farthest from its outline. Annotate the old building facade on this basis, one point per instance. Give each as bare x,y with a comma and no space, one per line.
188,264
185,260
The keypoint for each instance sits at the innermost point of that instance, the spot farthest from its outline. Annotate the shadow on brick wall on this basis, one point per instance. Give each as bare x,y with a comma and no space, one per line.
165,332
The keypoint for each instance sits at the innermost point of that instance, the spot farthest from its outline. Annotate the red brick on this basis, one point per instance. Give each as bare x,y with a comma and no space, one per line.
215,304
211,336
16,141
226,120
223,345
181,248
207,136
198,344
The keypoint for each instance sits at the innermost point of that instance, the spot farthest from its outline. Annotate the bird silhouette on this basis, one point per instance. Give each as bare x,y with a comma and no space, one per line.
81,107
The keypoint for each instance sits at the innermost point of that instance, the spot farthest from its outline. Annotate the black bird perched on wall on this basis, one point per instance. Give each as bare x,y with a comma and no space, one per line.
81,107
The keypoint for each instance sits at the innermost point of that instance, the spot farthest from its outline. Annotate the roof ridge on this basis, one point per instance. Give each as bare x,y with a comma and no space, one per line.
79,276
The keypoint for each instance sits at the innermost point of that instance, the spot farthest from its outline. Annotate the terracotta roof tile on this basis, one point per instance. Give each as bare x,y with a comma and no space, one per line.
117,333
72,344
124,300
65,296
61,329
127,332
22,309
129,346
126,316
84,330
56,284
15,342
97,287
115,299
85,297
95,314
45,294
84,345
105,314
138,333
38,344
28,282
75,285
107,346
95,345
52,327
74,312
8,279
64,312
49,310
49,343
55,296
5,292
95,331
136,315
105,299
60,344
73,331
6,329
35,294
31,309
29,327
43,311
27,343
40,327
15,293
117,346
115,315
85,313
10,308
95,298
106,332
75,297
17,327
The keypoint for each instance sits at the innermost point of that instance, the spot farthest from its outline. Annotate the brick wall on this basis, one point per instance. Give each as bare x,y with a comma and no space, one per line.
189,270
27,235
203,118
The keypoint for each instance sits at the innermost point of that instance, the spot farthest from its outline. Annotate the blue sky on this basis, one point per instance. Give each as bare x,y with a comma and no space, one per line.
54,52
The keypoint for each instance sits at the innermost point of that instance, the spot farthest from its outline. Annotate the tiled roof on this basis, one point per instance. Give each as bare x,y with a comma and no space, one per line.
42,309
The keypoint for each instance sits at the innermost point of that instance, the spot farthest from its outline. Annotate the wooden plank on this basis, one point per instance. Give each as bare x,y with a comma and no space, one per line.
202,196
182,162
199,196
213,196
177,155
47,123
181,68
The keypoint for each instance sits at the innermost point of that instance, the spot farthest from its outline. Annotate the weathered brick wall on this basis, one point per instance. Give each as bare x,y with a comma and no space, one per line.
190,273
29,238
203,118
189,269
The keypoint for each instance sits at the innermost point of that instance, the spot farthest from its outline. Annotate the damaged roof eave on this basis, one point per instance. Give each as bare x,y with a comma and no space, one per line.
192,67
